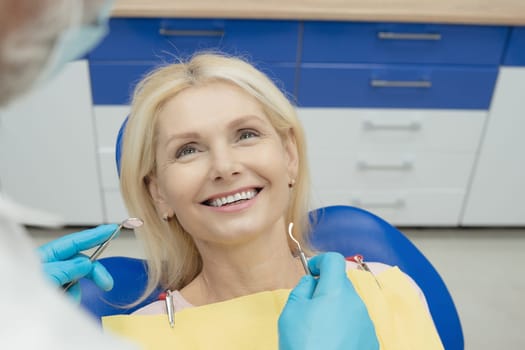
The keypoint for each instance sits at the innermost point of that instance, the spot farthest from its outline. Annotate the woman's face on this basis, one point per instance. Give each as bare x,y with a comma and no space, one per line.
222,168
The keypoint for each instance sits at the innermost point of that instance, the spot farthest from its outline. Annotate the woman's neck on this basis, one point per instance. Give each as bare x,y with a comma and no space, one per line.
229,272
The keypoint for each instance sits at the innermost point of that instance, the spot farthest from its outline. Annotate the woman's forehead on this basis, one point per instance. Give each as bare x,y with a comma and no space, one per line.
211,103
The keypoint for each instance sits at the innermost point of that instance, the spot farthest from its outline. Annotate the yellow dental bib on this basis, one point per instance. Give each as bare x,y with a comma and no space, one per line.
250,322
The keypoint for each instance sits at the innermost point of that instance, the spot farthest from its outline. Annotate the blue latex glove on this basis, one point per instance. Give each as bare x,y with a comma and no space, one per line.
326,313
63,263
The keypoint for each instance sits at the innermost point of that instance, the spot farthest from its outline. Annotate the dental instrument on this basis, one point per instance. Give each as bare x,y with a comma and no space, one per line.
169,308
302,256
361,265
129,223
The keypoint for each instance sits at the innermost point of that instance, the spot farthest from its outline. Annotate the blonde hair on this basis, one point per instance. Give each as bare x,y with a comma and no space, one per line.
173,259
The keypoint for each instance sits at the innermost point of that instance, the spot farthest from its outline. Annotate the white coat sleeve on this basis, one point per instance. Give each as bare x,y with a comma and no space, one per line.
34,314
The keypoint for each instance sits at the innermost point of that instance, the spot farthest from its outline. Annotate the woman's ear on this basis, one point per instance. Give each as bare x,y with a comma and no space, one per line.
156,193
292,155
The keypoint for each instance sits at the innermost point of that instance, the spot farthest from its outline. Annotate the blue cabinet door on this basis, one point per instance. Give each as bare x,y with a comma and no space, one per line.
139,39
135,46
339,42
396,86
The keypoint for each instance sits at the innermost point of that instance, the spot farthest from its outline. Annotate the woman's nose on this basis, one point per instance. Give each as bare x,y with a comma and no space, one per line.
225,164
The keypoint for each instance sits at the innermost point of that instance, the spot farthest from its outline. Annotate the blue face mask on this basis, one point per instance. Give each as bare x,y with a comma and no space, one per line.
77,40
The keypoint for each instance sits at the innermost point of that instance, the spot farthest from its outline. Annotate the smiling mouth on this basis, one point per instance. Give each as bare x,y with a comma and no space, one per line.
233,198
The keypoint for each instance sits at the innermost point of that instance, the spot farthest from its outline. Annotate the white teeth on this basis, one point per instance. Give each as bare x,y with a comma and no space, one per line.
218,202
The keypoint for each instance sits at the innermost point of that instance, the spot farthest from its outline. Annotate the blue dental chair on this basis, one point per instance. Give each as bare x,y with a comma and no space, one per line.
130,279
347,230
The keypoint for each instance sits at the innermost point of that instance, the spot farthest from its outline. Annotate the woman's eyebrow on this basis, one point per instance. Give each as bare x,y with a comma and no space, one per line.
245,118
181,136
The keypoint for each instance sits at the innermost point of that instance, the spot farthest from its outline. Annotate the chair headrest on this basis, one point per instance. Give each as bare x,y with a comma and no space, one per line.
118,145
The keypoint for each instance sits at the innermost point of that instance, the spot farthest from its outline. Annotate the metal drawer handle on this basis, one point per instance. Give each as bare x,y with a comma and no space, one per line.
396,203
408,36
180,32
401,166
409,126
423,84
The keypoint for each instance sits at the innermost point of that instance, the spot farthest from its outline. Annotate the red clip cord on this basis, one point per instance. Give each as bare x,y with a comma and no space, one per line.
358,258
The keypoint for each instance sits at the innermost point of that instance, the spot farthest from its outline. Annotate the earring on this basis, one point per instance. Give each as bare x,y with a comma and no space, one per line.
291,183
166,217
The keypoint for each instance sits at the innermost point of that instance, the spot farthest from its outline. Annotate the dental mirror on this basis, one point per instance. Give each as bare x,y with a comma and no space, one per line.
129,223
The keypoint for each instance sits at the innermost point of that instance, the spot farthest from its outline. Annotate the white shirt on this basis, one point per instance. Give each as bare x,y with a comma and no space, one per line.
34,315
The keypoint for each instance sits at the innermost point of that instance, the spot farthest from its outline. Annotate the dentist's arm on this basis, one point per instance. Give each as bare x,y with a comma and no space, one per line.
63,263
326,313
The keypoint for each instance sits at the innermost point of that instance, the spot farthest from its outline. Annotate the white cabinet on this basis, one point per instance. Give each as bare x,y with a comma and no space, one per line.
108,120
497,193
411,167
47,149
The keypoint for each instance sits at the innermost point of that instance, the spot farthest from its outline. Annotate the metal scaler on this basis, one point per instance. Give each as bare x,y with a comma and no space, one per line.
302,256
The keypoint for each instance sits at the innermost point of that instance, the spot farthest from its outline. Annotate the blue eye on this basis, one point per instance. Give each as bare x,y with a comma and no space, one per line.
186,150
247,134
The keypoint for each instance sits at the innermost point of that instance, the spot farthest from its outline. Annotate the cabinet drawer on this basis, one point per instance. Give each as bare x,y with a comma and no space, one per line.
422,207
401,130
425,207
515,53
390,170
113,83
396,86
136,45
140,39
402,43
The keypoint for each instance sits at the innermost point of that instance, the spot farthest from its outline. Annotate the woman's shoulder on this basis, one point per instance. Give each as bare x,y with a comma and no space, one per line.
154,308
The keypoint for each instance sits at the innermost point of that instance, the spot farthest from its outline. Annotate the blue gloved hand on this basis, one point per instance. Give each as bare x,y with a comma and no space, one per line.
326,313
63,263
